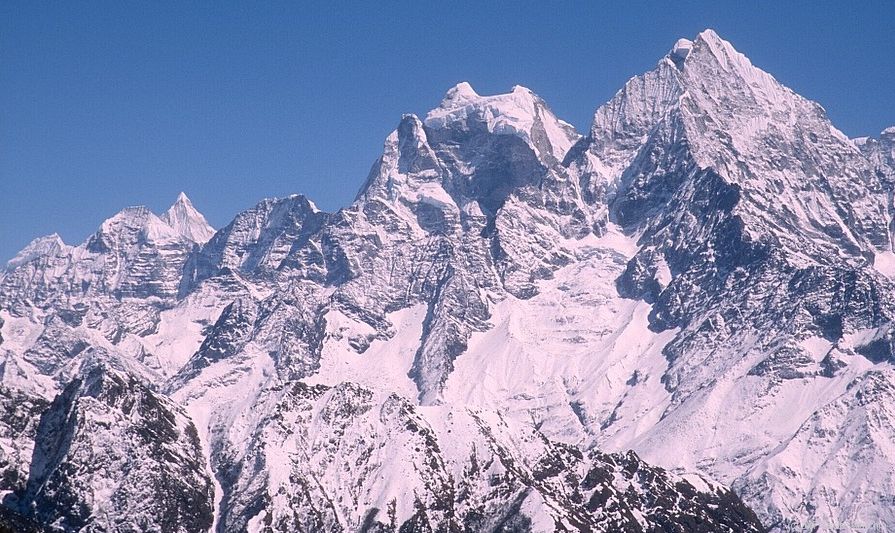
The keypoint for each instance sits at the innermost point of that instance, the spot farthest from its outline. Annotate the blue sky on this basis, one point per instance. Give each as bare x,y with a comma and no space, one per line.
105,105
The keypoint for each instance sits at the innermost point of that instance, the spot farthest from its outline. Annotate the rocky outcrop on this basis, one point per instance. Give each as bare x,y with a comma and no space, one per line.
110,454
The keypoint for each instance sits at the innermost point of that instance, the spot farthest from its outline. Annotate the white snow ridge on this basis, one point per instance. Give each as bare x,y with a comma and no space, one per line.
680,321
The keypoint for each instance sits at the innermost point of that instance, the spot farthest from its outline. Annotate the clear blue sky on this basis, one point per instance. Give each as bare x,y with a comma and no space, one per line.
105,105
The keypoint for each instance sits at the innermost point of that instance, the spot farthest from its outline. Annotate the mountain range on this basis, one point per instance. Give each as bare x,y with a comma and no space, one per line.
679,320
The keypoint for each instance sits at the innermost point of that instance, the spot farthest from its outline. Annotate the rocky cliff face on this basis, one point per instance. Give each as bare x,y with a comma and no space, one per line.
478,341
110,455
134,254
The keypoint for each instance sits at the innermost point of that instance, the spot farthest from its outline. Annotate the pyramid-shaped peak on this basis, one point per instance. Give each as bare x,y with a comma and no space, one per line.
707,46
709,63
705,86
709,35
183,199
187,221
714,41
709,39
710,47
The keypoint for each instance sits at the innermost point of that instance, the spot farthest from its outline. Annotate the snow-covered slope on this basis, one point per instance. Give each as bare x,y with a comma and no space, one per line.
478,341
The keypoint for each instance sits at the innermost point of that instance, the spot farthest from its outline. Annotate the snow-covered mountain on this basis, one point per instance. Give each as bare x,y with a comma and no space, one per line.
513,327
187,221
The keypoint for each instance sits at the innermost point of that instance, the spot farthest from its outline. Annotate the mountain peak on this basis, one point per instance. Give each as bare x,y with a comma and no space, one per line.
182,198
519,112
708,48
462,92
128,226
187,221
711,40
709,35
736,119
41,246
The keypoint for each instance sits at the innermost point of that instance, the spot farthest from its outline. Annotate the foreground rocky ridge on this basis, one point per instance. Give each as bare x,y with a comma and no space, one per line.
703,278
